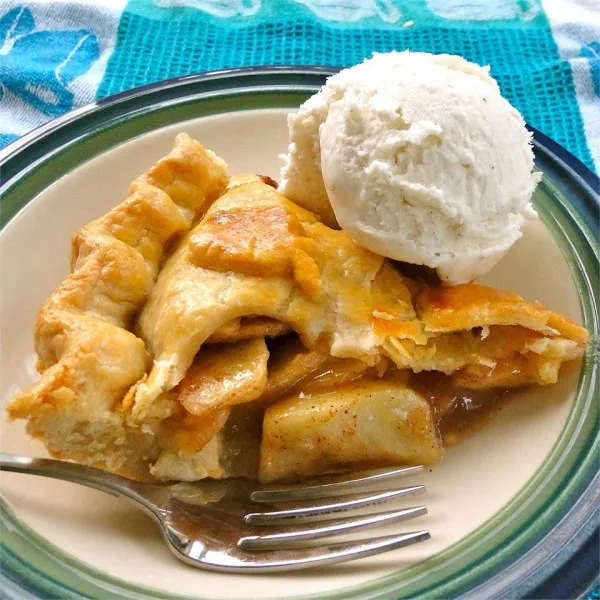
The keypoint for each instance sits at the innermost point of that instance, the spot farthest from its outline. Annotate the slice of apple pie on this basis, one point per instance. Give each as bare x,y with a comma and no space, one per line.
212,328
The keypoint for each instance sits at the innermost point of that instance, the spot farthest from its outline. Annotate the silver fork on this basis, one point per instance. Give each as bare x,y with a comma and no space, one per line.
239,526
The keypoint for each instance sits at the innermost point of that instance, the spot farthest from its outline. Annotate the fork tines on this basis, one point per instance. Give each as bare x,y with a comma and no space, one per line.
355,492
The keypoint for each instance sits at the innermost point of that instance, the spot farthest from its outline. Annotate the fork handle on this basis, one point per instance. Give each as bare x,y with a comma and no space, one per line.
60,469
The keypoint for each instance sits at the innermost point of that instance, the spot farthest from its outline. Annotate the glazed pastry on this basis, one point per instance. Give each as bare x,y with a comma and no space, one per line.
213,328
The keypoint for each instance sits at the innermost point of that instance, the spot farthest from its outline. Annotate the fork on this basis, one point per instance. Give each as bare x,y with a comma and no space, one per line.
239,526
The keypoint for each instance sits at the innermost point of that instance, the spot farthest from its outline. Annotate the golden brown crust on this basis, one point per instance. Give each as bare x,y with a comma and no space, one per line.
253,242
88,358
478,329
281,263
444,309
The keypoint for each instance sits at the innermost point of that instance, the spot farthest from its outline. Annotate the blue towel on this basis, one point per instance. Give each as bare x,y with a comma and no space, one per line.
56,56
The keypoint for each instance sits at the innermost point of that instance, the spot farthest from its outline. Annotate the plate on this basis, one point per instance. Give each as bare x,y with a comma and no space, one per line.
510,510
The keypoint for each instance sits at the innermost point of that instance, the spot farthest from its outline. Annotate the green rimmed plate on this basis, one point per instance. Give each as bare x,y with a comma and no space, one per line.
508,509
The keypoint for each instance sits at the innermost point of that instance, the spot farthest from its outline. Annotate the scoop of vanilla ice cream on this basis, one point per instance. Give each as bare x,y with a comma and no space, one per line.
419,158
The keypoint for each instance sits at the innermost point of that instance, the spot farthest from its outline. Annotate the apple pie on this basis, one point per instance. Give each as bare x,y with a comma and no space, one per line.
211,327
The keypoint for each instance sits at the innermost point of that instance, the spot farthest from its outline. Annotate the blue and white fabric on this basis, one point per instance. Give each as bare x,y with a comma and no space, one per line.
53,56
58,55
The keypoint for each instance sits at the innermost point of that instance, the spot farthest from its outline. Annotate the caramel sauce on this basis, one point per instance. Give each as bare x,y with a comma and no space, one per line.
459,412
